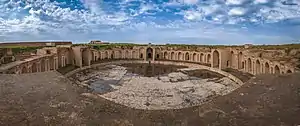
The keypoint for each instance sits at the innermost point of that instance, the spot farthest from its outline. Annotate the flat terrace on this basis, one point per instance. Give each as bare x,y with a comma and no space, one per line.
49,98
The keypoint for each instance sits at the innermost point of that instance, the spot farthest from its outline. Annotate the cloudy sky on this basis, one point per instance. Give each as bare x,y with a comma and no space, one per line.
156,21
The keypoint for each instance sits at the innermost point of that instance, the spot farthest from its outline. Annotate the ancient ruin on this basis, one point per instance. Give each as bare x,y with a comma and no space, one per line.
199,73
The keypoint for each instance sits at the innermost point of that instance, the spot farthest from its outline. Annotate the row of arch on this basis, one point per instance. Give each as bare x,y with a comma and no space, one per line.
39,65
248,64
187,56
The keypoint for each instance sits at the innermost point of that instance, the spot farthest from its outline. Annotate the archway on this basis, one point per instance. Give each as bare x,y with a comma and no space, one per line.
216,59
127,54
288,71
240,58
187,57
208,58
141,56
165,55
194,57
157,56
267,68
180,56
134,55
43,65
149,53
172,55
277,70
112,55
232,59
34,67
257,65
106,55
119,54
201,57
24,69
249,65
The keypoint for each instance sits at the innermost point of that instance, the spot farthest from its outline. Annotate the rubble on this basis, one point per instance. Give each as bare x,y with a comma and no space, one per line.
173,90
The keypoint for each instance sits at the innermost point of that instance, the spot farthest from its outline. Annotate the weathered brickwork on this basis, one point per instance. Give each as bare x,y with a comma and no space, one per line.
52,58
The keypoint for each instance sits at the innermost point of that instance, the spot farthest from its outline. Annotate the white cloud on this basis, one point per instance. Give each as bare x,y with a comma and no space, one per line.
44,20
235,2
237,11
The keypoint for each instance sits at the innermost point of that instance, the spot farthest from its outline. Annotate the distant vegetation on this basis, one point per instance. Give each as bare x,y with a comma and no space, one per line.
21,49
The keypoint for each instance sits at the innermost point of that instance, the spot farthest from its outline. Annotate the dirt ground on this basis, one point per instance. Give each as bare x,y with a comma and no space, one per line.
50,99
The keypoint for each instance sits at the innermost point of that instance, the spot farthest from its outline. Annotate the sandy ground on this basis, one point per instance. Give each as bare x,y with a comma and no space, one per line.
174,90
50,99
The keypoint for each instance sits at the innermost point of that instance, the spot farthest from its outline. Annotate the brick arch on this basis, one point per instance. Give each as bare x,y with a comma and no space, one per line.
34,67
187,56
112,54
134,54
24,69
165,55
127,56
106,55
119,54
208,58
149,53
194,57
240,58
201,57
289,71
216,59
232,59
267,68
276,69
43,65
249,65
172,55
179,56
257,66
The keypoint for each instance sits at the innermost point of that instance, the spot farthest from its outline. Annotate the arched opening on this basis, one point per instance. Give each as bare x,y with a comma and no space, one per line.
187,57
202,57
165,55
180,56
288,71
240,58
43,65
127,54
34,67
216,59
257,65
112,55
232,59
106,55
228,63
277,70
119,54
267,68
249,65
24,69
157,56
99,56
141,56
172,55
134,55
48,52
149,53
194,57
243,65
208,58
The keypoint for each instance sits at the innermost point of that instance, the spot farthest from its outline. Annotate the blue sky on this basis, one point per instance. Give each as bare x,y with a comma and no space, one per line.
227,22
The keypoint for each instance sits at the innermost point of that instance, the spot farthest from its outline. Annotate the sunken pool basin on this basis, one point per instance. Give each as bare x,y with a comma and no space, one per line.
155,86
